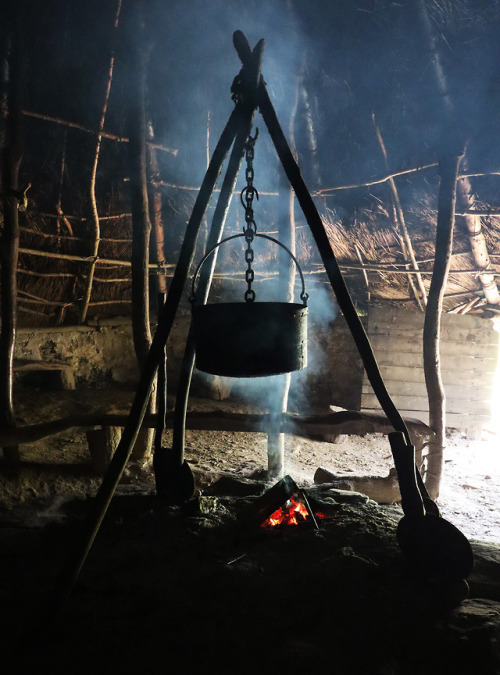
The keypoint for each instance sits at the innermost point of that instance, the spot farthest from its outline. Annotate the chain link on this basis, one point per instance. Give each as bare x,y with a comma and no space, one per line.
248,194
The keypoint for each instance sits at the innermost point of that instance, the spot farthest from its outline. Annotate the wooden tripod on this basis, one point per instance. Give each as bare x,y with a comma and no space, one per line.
416,501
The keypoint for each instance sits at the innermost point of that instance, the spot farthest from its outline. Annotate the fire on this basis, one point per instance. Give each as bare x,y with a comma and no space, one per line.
293,513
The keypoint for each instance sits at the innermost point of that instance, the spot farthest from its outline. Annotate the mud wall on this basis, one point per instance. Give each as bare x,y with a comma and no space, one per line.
104,353
96,353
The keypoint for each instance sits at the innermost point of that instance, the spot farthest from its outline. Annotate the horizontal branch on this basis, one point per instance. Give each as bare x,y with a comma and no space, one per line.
460,294
389,270
28,310
46,275
103,134
65,275
89,259
33,299
51,235
478,175
475,212
375,181
80,219
323,192
66,237
98,303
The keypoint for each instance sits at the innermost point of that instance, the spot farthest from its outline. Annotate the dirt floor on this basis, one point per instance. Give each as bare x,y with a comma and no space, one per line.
165,589
60,465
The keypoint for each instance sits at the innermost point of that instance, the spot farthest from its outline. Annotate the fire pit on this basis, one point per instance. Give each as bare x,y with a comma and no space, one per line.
285,504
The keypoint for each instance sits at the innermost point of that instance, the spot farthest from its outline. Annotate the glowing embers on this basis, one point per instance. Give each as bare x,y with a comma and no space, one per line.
281,506
292,513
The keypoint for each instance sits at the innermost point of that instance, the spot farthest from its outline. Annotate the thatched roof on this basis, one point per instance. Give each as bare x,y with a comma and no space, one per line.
346,69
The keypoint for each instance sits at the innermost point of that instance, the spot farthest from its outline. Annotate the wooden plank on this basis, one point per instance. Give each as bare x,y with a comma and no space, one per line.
419,389
454,377
483,336
391,315
451,362
448,362
413,345
404,318
468,321
420,403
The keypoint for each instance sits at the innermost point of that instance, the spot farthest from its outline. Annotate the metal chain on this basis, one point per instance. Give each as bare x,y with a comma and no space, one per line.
247,196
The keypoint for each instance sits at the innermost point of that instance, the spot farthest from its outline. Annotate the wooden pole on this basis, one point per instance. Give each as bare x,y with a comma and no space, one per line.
138,49
141,224
452,152
11,157
62,313
61,217
431,352
400,220
364,272
156,217
96,230
465,202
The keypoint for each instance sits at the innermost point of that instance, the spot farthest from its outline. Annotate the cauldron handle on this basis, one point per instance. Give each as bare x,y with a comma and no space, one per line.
303,296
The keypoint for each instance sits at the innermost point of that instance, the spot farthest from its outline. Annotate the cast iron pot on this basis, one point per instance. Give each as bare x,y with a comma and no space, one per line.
250,339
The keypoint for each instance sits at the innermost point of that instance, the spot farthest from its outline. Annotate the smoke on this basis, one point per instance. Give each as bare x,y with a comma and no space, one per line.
266,392
194,64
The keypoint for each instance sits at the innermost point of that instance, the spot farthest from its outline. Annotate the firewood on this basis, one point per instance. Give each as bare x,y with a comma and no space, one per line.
382,489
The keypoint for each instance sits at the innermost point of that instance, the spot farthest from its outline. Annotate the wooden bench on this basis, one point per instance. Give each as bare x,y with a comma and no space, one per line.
104,429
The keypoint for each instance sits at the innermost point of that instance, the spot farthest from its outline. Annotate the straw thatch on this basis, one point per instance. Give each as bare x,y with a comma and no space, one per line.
348,169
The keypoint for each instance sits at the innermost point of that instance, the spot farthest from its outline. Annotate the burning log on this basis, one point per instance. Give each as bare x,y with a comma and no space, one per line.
283,504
